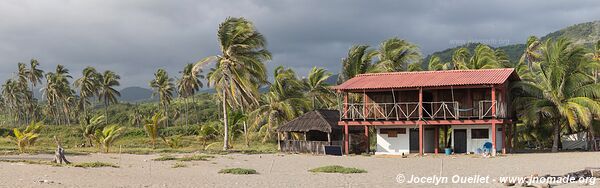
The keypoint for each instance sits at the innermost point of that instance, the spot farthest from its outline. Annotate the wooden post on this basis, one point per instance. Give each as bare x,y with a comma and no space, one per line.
420,122
494,120
346,137
365,105
329,138
279,141
345,105
436,137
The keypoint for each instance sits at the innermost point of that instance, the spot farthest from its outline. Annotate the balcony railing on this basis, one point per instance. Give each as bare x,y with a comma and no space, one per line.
443,110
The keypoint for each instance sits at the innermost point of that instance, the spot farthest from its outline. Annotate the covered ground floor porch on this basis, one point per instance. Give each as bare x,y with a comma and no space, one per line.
462,136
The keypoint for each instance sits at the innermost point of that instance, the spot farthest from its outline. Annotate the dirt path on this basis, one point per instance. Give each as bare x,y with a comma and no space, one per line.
283,170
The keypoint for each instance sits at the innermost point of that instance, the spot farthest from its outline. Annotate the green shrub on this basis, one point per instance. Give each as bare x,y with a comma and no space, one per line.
238,171
179,131
337,169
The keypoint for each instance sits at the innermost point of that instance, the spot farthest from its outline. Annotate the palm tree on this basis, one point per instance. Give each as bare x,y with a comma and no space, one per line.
89,127
187,85
58,93
435,63
532,51
460,58
34,75
163,87
239,70
106,91
107,136
396,55
317,88
358,61
11,97
282,103
135,118
560,92
88,85
151,127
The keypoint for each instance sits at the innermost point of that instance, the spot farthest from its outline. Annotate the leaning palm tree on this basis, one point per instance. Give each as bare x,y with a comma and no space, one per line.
358,61
152,126
532,51
164,88
108,135
282,103
317,88
106,91
435,63
559,93
88,86
460,57
396,55
239,70
187,85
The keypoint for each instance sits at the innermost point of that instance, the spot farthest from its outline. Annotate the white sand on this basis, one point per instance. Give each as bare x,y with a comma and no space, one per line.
284,170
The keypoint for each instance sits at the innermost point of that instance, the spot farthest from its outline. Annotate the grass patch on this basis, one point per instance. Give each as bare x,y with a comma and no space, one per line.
237,171
96,164
179,165
31,162
165,158
196,158
337,169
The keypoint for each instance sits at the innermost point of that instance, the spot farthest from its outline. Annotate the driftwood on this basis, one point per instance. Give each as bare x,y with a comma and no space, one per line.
59,154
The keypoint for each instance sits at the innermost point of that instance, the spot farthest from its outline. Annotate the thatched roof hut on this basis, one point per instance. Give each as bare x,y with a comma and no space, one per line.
318,120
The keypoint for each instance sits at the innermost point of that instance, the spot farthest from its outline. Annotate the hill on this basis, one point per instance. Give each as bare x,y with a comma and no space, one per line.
584,33
135,94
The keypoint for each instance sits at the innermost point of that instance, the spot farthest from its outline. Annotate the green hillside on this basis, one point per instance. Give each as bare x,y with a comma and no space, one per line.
584,33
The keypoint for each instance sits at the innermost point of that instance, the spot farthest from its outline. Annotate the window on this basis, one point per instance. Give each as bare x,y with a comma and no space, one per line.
480,133
392,132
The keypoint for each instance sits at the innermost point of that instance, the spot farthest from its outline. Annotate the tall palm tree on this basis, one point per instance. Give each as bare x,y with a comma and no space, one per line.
88,86
240,68
34,76
317,88
163,87
396,55
560,93
58,93
11,97
106,90
358,61
187,85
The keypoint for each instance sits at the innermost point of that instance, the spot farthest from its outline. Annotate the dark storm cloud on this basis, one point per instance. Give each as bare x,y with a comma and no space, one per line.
134,38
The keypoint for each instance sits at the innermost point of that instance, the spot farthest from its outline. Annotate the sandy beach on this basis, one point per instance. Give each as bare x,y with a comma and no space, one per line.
284,170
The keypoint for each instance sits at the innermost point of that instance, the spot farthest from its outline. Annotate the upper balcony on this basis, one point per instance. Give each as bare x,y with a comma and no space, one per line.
441,110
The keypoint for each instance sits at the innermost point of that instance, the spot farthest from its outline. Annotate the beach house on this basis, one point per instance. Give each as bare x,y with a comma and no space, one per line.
469,109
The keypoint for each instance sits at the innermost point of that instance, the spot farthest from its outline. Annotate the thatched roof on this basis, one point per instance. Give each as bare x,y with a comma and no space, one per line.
318,120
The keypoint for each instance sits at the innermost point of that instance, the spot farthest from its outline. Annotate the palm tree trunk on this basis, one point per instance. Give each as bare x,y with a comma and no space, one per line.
556,136
186,112
106,112
592,145
225,123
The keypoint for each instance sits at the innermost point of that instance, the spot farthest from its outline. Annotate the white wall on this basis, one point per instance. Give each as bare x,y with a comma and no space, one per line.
393,146
473,144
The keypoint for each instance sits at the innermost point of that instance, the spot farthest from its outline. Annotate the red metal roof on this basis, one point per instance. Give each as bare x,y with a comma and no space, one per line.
428,79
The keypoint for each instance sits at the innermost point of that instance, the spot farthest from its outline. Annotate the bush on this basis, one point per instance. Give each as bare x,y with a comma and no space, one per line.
196,158
179,165
179,131
238,171
337,169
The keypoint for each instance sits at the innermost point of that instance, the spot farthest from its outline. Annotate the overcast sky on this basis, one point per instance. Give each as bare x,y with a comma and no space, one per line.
136,37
